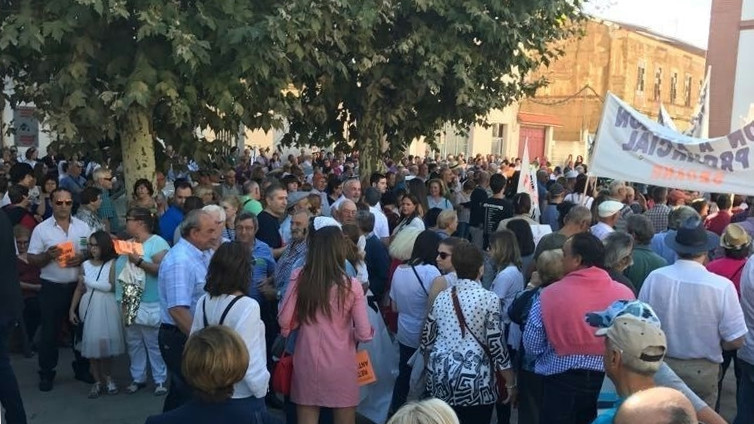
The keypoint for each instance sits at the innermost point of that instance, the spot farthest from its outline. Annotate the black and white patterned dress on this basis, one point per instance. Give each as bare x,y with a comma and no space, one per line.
458,370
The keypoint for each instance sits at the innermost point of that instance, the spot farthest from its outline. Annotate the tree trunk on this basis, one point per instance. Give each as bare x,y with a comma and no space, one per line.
137,147
370,151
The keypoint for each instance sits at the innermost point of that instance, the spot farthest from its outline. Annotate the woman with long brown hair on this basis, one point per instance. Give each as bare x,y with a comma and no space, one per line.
329,311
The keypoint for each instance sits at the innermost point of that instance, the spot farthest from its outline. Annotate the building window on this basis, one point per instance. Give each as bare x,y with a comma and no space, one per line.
453,143
658,84
640,79
673,87
498,138
687,91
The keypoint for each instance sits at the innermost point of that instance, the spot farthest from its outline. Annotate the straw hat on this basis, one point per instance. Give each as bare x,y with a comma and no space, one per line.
735,237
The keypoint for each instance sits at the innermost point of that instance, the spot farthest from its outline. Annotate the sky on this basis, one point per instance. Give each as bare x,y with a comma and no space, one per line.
686,20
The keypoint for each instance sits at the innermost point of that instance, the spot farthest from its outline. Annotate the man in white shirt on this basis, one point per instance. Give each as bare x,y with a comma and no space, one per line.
608,216
59,274
381,227
699,310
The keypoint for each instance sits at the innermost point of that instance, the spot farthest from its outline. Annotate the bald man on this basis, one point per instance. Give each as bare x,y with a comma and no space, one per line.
659,405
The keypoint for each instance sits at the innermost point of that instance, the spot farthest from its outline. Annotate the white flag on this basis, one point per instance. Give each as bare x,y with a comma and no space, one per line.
663,117
700,120
527,182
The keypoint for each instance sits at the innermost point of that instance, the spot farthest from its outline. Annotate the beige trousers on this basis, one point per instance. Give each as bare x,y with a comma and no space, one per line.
701,375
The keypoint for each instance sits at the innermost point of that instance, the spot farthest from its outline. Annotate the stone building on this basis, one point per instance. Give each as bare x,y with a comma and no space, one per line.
641,67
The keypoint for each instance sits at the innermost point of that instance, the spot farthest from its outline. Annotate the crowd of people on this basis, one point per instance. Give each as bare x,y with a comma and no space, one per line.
596,301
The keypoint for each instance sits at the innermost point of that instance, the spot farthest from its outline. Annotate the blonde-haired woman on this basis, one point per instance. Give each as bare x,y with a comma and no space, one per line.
436,198
549,270
430,411
214,359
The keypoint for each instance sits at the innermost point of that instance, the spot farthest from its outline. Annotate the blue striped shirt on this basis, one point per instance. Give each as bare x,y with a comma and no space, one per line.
181,278
548,362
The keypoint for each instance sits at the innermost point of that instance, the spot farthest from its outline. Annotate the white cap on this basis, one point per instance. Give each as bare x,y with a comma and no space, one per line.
572,174
609,208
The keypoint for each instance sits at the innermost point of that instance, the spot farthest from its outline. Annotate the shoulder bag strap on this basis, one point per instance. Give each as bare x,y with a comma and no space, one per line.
421,283
464,325
204,312
227,308
86,312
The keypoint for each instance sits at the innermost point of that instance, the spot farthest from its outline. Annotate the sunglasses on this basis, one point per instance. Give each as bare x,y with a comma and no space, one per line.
64,202
443,255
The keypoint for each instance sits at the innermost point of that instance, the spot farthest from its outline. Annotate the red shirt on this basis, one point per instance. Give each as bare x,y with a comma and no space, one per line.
730,269
717,222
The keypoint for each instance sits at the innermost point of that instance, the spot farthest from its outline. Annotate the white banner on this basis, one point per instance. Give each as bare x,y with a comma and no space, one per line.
663,117
527,182
630,146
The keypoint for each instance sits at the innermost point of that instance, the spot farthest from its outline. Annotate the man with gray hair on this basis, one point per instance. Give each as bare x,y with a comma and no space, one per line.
618,248
351,191
346,212
677,216
635,346
250,199
577,220
640,227
180,283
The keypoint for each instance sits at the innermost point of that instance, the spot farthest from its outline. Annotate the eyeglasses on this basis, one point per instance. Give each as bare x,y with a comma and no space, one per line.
64,202
444,255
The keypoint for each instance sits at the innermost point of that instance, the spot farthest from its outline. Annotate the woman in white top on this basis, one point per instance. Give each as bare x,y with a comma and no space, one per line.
99,314
409,292
411,214
226,303
436,198
578,196
509,281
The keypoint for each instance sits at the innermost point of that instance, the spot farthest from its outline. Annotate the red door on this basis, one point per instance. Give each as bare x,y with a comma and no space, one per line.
536,137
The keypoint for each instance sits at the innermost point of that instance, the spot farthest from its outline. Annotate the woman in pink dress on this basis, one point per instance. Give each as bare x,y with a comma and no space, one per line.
329,311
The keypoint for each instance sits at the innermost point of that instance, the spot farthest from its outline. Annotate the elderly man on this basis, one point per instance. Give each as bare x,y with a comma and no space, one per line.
695,340
250,199
103,179
619,193
677,216
609,213
577,220
351,191
247,226
372,197
634,347
269,219
180,282
644,259
568,356
297,201
60,273
346,212
659,405
172,218
295,252
229,187
73,181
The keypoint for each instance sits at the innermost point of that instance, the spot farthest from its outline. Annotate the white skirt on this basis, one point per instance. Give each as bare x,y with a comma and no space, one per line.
103,330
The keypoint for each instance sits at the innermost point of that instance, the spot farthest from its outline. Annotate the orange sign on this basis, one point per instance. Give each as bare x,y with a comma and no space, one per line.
66,253
365,372
126,247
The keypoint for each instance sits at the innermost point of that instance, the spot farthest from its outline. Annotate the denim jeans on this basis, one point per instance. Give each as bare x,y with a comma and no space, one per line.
745,394
571,397
10,397
402,383
172,342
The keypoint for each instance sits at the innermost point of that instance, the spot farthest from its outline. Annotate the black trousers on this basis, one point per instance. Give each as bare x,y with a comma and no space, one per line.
172,341
54,303
473,414
10,397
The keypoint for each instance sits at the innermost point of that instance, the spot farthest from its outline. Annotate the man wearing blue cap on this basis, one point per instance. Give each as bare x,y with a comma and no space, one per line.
699,310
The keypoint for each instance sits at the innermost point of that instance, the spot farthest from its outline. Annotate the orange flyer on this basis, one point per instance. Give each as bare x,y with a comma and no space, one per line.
66,253
365,371
123,247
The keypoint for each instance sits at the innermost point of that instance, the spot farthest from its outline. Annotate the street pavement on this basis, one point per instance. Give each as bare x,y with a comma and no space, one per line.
68,402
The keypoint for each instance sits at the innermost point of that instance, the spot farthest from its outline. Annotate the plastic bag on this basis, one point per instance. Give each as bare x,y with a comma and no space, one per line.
375,397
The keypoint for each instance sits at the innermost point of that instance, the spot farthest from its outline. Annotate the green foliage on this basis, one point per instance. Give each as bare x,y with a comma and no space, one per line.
375,73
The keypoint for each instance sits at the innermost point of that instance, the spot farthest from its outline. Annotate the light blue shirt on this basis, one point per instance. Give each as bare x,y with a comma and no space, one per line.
181,278
658,246
152,246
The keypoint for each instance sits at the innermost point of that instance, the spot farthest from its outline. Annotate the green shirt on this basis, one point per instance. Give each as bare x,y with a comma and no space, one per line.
251,205
152,246
645,261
